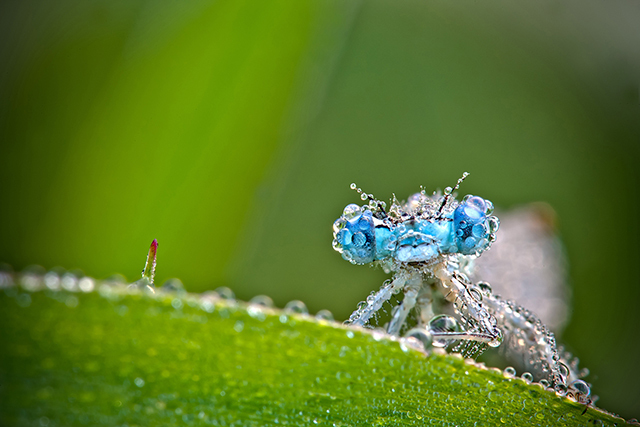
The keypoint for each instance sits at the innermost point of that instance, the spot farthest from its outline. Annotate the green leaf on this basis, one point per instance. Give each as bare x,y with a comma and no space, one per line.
117,355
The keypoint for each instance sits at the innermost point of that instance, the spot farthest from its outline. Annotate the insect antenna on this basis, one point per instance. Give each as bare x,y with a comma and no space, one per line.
448,193
364,196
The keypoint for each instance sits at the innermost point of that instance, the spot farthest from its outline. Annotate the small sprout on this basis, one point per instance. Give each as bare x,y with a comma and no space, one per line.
149,271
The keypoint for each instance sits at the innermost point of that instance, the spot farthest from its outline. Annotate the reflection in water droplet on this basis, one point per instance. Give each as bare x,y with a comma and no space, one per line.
296,306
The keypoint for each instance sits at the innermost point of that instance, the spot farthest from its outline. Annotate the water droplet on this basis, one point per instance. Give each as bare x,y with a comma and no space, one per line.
173,285
476,294
261,300
239,326
324,315
207,304
177,303
497,340
484,287
527,377
561,389
225,293
86,284
544,382
31,278
296,306
564,370
442,323
510,371
69,282
351,211
139,382
581,387
350,334
353,186
52,281
421,335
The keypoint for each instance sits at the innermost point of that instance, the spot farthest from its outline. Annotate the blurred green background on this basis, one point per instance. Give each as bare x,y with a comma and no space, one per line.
231,130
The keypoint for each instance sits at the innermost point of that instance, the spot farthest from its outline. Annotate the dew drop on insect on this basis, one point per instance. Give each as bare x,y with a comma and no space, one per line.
527,377
488,207
448,190
225,293
561,389
493,223
476,294
510,371
497,340
544,382
484,287
564,370
442,323
353,186
296,306
581,387
351,211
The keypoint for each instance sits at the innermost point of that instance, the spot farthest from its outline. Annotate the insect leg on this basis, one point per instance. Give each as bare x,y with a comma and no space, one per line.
400,313
481,325
374,302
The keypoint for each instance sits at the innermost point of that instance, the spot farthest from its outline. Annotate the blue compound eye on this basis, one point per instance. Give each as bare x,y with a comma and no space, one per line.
474,227
355,237
359,239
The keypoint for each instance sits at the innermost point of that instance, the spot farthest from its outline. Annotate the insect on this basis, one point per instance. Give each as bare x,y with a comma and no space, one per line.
429,244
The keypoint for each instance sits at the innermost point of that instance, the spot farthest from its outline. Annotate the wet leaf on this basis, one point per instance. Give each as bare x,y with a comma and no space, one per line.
118,355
